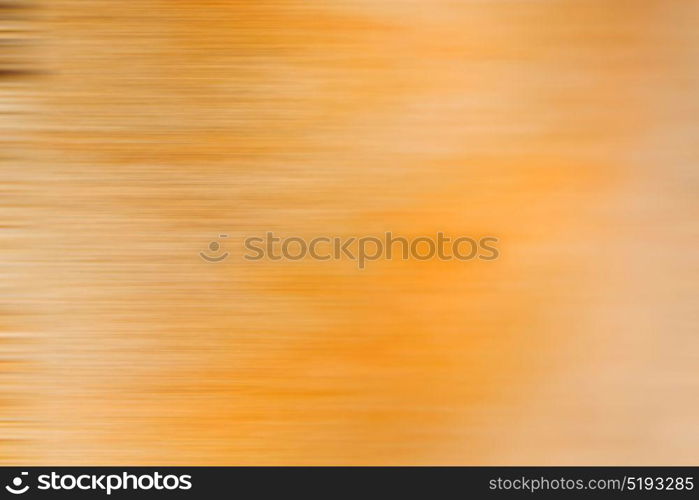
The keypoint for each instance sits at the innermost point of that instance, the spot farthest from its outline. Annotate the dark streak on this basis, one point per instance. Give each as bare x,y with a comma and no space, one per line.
18,73
14,5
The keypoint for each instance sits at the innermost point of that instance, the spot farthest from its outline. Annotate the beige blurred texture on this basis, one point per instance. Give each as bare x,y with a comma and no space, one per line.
133,133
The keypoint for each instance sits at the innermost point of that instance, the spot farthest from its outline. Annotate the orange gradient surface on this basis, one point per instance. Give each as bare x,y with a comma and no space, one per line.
134,133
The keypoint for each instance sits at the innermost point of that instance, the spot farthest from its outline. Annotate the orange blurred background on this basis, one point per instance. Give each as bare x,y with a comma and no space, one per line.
133,133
